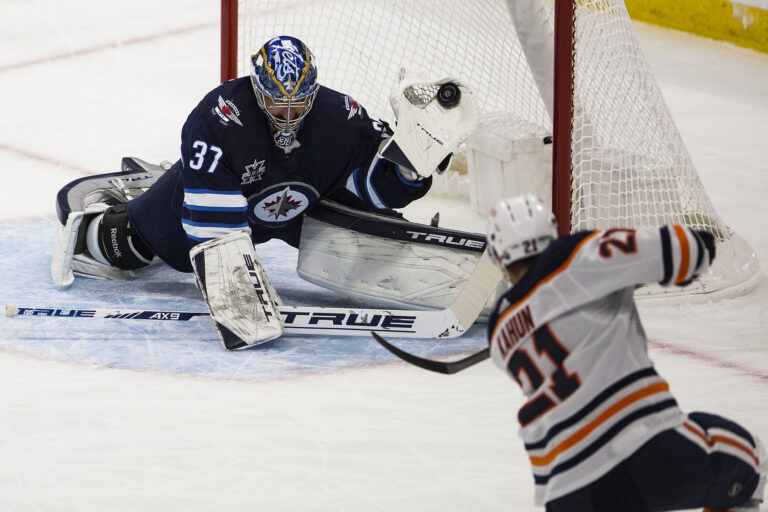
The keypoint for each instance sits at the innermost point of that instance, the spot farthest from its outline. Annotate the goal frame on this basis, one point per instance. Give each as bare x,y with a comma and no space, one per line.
228,40
563,96
557,73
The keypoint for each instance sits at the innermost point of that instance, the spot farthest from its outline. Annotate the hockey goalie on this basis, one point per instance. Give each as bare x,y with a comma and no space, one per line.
258,153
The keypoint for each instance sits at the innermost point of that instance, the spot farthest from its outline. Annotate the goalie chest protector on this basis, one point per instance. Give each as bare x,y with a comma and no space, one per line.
386,259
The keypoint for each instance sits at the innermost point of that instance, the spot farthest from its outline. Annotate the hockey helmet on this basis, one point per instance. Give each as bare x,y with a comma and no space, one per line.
518,228
284,78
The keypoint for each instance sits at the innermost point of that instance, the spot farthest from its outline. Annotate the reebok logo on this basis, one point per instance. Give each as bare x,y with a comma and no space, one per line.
113,240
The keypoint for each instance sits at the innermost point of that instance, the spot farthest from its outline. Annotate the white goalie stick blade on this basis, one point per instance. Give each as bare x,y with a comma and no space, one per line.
446,367
450,322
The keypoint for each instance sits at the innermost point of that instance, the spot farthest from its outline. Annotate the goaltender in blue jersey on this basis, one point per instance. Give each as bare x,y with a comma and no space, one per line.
256,154
602,430
252,164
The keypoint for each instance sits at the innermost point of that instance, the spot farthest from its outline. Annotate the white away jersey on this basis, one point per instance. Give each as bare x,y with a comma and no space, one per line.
570,335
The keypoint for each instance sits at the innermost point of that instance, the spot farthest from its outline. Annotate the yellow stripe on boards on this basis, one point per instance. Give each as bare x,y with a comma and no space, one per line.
741,24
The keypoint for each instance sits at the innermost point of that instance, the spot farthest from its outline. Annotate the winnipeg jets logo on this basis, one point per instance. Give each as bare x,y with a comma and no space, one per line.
282,204
277,205
353,107
227,112
253,172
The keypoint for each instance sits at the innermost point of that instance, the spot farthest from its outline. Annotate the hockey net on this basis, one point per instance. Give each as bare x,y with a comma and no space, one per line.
619,160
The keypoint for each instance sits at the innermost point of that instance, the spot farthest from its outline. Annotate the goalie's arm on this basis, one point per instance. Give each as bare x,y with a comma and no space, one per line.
384,184
243,303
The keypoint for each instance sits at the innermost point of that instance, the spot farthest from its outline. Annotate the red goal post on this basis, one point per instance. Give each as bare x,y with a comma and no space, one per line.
572,70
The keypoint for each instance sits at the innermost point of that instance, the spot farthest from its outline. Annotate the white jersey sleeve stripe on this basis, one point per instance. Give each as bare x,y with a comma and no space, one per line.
200,231
197,199
373,196
352,184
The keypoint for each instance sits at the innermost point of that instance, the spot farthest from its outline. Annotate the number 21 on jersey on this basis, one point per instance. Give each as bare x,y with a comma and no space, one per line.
547,350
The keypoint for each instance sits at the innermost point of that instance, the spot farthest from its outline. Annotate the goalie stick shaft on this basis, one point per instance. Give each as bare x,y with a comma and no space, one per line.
298,320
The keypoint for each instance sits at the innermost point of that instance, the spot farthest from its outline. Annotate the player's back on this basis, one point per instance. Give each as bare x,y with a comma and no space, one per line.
570,335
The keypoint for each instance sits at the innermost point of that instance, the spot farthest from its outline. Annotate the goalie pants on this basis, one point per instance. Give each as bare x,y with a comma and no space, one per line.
672,472
156,216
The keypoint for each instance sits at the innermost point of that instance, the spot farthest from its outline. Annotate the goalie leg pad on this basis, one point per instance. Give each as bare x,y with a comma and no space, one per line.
242,302
78,203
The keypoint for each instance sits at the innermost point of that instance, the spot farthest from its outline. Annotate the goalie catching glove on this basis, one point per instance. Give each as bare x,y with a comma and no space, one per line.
242,302
434,117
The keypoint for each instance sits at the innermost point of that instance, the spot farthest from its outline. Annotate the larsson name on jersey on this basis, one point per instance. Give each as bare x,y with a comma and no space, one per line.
512,329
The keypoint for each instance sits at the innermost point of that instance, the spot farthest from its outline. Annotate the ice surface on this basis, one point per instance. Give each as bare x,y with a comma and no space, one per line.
190,347
100,416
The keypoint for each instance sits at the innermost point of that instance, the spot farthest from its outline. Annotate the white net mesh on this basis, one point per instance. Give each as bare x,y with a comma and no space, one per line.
360,46
630,166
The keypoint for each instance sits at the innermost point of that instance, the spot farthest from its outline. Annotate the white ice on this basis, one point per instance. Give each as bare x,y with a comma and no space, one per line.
84,83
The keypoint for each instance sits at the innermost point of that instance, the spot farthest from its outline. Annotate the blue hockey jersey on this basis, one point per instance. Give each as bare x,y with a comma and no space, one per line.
232,176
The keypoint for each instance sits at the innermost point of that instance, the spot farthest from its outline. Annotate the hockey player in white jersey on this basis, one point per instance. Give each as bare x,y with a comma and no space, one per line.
601,428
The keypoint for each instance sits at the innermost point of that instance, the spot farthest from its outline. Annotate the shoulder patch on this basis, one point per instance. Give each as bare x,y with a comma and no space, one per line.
227,112
353,108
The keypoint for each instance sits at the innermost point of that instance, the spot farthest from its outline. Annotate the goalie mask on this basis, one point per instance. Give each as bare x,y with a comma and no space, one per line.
284,78
518,228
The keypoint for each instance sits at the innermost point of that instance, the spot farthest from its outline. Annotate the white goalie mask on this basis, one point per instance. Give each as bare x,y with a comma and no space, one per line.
518,228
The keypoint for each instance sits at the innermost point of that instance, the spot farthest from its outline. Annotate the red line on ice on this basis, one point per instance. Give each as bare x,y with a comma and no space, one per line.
107,46
46,160
711,361
86,51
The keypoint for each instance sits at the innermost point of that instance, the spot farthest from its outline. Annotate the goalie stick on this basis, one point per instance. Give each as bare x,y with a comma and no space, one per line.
298,320
446,323
432,365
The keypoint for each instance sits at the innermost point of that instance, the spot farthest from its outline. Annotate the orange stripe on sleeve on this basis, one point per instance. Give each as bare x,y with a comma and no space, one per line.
685,253
587,429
